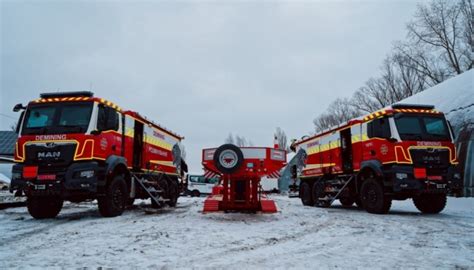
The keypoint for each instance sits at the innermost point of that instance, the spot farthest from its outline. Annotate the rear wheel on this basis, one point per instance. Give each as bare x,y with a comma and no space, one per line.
358,202
305,194
373,198
346,201
173,193
319,195
115,199
430,203
44,207
130,202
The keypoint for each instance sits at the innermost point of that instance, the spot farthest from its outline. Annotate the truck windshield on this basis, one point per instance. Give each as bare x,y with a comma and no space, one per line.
57,118
422,127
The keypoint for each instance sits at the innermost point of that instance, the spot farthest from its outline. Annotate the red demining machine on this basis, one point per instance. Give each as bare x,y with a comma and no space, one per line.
240,170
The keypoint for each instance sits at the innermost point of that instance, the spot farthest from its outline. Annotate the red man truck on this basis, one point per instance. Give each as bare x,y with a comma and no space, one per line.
403,151
76,147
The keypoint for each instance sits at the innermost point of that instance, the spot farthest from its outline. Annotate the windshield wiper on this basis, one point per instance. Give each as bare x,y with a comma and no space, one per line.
73,127
35,130
413,135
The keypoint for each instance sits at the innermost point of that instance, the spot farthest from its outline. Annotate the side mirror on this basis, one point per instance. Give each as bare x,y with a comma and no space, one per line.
18,107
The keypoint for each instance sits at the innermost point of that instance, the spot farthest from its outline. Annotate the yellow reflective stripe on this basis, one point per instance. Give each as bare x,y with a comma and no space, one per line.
157,142
162,162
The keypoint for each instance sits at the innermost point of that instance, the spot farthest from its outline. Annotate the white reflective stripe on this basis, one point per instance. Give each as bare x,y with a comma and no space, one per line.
277,154
254,153
209,154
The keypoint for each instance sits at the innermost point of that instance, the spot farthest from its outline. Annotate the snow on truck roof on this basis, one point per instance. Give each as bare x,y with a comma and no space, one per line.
89,96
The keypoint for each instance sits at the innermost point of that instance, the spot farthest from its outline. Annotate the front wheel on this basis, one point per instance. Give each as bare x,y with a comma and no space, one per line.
373,198
430,203
195,193
115,199
44,207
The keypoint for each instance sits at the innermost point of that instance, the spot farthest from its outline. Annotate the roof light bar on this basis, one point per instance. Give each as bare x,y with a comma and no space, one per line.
412,106
67,94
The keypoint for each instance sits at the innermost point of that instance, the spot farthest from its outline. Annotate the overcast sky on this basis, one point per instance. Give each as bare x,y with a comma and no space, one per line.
202,69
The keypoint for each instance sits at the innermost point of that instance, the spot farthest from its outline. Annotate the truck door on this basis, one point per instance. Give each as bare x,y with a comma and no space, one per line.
137,145
346,150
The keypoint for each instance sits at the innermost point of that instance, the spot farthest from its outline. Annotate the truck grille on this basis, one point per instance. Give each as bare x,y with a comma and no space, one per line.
52,154
430,158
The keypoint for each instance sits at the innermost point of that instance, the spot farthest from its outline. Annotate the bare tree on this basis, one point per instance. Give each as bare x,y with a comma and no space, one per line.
230,139
439,45
240,141
281,139
444,28
339,111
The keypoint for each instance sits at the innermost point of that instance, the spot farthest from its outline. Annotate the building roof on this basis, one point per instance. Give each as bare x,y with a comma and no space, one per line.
7,142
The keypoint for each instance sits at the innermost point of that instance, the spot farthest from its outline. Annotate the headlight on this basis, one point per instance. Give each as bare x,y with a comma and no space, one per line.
86,174
401,176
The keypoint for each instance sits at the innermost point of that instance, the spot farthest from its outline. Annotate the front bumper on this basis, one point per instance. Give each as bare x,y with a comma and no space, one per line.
402,180
67,181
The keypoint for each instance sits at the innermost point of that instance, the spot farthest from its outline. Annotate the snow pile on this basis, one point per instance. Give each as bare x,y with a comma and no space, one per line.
454,97
297,237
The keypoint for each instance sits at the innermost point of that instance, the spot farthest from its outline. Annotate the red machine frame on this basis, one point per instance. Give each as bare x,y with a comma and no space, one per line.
240,186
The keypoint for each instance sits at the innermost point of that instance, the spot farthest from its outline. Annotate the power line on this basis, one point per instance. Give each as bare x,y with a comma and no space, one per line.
7,116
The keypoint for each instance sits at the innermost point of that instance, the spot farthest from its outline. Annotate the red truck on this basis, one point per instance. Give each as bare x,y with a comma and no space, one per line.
76,147
404,151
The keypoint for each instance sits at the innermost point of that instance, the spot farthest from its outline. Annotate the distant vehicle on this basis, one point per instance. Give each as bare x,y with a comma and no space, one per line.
199,184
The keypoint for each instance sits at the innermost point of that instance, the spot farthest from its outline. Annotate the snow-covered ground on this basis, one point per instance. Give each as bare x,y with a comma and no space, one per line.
296,237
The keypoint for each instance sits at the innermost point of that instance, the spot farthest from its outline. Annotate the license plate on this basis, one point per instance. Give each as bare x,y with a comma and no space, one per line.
40,187
441,185
46,177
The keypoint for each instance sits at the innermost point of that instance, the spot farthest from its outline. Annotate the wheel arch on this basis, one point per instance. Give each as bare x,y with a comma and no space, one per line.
116,165
368,167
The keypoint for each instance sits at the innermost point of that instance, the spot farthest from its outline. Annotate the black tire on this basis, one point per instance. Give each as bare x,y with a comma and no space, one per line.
373,198
130,202
233,153
4,188
156,205
173,193
358,202
44,207
318,194
195,193
346,201
306,194
430,203
115,199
